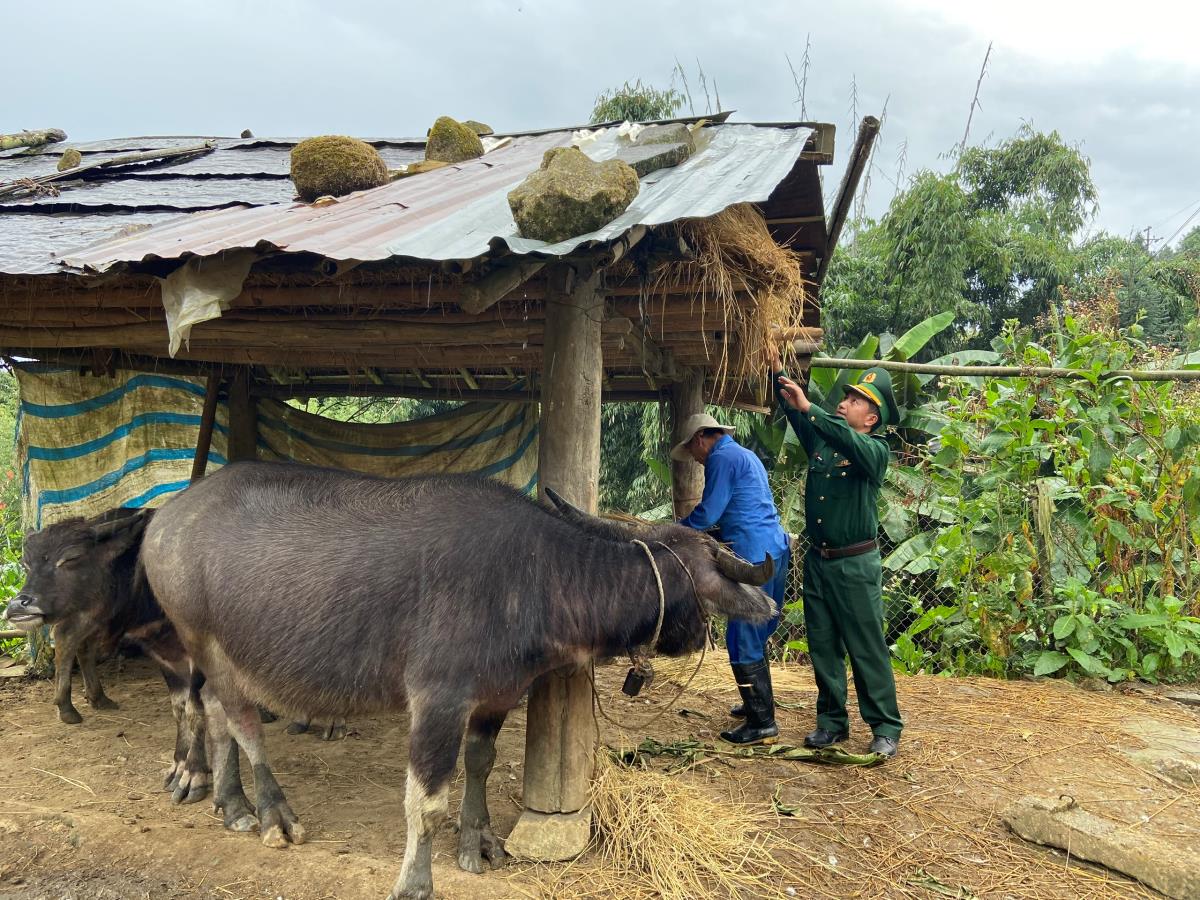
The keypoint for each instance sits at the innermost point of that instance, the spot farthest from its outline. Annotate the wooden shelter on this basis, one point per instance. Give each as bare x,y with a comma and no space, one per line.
421,289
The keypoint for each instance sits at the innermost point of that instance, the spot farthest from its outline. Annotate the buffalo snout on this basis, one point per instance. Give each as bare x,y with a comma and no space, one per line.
25,612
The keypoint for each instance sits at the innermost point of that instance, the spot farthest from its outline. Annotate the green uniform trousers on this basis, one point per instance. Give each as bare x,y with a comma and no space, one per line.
843,613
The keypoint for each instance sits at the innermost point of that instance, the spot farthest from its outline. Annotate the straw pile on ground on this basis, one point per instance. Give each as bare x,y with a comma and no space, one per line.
671,839
736,258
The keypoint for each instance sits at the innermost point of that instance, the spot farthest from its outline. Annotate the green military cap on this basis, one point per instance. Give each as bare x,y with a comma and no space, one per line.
876,386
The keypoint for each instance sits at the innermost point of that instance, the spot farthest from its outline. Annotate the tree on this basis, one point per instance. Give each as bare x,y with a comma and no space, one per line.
636,103
990,240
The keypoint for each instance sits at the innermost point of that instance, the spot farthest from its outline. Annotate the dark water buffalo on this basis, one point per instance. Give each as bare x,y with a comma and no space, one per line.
326,592
84,581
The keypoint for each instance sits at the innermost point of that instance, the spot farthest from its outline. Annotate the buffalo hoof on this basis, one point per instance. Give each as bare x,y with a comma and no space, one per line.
336,731
412,893
237,815
471,857
280,827
69,714
266,716
189,786
297,728
104,702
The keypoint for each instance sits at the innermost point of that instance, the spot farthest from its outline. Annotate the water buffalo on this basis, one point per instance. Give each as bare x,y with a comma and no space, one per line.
83,580
327,592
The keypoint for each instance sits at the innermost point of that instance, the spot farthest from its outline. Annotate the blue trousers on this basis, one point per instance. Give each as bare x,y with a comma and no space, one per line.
746,642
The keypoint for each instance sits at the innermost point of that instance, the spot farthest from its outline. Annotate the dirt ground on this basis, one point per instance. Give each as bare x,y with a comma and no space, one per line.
82,814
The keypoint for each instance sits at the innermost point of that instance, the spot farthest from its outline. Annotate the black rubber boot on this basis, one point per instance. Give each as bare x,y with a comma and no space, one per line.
754,684
739,711
822,738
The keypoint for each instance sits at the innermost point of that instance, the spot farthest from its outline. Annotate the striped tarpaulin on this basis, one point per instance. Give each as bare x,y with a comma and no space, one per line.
87,443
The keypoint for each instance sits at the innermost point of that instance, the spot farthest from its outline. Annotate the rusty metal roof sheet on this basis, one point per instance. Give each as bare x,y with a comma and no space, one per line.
458,212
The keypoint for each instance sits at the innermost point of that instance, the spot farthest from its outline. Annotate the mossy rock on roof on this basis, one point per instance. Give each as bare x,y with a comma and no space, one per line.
479,127
452,142
70,159
335,165
571,195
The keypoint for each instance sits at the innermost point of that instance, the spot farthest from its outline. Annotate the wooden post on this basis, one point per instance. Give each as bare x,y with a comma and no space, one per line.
208,418
687,478
243,418
560,731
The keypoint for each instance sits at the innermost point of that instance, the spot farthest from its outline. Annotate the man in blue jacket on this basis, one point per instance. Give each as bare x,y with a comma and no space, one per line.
737,500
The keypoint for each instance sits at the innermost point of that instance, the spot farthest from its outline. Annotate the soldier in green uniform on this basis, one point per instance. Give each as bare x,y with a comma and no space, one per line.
843,590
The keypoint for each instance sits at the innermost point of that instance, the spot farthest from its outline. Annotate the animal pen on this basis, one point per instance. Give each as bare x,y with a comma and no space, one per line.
170,342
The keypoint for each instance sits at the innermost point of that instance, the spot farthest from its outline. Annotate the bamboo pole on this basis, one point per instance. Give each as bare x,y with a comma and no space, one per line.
830,362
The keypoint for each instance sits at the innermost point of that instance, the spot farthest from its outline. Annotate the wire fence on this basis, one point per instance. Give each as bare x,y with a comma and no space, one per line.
905,596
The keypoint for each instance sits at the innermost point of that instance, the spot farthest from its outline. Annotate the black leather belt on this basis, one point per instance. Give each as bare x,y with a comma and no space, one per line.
842,552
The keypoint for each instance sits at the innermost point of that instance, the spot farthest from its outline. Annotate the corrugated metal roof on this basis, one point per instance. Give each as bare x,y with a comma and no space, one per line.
451,213
461,211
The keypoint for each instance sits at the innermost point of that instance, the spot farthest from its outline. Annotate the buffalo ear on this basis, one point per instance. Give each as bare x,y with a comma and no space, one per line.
571,513
120,529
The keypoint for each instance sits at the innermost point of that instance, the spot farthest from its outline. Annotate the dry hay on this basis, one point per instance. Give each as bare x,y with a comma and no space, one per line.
658,836
735,255
335,165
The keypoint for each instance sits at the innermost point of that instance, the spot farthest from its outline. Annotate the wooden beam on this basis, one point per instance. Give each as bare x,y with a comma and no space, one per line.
559,748
243,418
687,478
479,295
351,334
319,389
17,188
867,132
208,418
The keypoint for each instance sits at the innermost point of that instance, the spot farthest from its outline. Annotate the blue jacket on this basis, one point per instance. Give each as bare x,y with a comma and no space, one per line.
737,499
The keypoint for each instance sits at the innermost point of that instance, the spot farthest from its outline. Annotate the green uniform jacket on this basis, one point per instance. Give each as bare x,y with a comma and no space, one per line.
845,474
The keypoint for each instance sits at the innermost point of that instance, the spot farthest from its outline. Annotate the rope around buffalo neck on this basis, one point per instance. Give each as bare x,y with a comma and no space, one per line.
662,609
662,595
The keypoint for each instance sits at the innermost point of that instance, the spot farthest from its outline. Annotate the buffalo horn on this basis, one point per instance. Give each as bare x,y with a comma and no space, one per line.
746,573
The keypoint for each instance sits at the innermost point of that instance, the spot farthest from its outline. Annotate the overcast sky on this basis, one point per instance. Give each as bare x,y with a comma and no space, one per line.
1121,80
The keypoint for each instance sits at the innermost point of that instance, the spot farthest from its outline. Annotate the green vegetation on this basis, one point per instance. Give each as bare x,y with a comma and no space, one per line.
636,102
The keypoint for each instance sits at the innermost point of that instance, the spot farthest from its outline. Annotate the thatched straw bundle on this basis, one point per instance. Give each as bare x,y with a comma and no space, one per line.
749,282
679,839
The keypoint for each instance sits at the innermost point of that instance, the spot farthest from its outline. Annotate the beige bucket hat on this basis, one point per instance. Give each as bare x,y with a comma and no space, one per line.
698,422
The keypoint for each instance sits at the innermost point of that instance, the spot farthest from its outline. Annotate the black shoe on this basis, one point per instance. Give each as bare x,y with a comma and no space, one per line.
737,712
822,738
758,703
884,746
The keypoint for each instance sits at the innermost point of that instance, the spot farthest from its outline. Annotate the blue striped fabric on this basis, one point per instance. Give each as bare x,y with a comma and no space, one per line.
91,443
